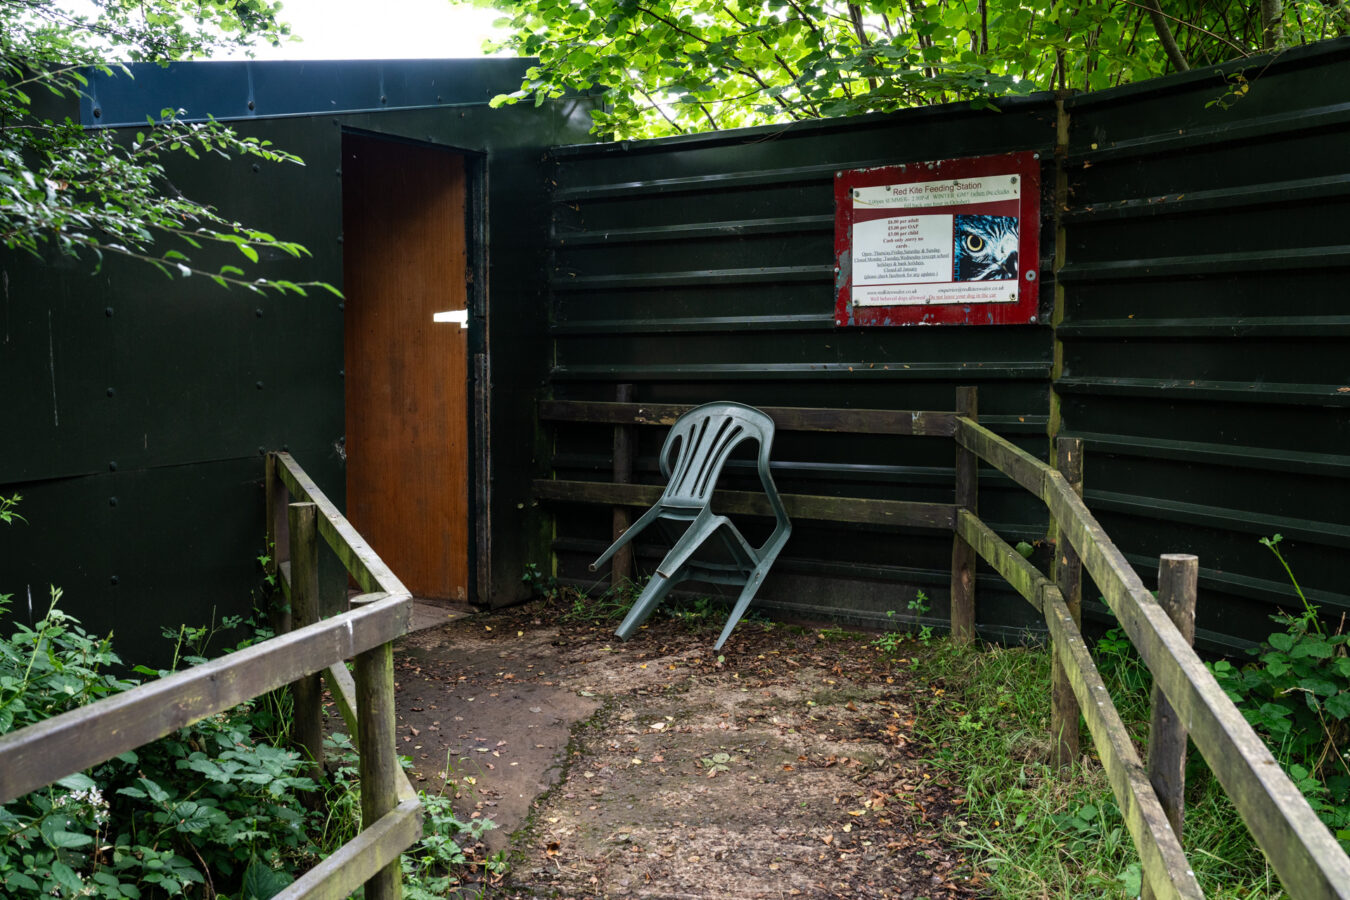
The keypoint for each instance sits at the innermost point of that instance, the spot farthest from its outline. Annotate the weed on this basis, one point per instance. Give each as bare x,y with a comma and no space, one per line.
1042,832
1046,833
7,514
890,642
1297,695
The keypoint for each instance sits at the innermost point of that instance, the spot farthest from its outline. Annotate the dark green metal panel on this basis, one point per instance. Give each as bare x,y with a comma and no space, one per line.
701,269
163,393
1206,361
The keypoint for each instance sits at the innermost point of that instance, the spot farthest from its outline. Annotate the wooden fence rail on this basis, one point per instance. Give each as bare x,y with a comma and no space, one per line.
1302,851
33,757
1299,847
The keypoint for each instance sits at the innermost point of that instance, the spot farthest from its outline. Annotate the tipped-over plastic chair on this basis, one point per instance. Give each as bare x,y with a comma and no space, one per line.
709,547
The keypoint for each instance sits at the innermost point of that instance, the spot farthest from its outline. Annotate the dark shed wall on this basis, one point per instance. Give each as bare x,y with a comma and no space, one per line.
702,269
137,407
1205,334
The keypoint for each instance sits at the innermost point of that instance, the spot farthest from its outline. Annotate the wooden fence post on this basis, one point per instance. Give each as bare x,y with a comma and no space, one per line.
379,757
303,521
276,500
963,554
1177,577
1064,712
621,565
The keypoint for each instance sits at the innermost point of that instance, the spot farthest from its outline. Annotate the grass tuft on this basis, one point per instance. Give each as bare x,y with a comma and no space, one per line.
1040,833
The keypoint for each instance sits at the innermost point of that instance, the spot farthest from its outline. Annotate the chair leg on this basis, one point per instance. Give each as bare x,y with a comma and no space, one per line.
652,595
743,602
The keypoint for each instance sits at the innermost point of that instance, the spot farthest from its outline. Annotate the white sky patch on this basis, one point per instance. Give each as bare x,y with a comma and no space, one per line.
389,29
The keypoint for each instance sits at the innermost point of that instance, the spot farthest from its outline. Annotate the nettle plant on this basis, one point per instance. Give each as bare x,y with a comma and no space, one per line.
211,810
1297,693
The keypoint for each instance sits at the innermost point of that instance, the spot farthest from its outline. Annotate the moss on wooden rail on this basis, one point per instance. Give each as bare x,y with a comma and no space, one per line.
375,848
1164,861
357,556
1025,578
40,754
1300,848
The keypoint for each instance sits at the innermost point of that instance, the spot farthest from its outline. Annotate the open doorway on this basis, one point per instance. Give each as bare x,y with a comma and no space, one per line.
405,272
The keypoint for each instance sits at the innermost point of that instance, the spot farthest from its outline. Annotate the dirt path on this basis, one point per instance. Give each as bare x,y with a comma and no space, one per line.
656,769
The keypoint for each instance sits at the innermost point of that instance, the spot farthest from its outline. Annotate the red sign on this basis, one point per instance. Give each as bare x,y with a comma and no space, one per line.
951,242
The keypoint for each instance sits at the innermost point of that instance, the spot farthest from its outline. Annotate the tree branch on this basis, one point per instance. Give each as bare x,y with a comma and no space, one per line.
1165,36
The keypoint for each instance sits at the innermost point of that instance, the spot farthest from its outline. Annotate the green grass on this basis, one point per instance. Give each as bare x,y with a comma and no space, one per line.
1041,833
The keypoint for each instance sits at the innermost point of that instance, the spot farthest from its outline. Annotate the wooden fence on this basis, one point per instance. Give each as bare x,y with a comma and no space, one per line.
1187,699
391,815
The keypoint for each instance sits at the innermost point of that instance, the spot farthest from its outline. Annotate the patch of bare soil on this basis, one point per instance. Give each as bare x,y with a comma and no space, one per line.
784,767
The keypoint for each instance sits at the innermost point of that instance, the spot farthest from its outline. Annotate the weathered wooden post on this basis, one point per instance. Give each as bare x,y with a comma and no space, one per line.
963,554
303,521
1068,571
277,498
379,759
1177,577
621,566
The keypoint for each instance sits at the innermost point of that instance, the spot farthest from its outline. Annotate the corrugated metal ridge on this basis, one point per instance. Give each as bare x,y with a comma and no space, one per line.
1283,124
687,183
1292,57
806,128
797,371
1216,326
723,181
1241,457
561,281
1328,257
697,325
1273,193
1196,389
1325,534
1270,591
662,233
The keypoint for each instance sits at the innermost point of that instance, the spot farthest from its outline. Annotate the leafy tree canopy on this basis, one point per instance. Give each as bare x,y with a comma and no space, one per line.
672,66
88,193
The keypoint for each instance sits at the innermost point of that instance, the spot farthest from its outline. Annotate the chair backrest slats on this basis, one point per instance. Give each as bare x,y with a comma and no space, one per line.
700,444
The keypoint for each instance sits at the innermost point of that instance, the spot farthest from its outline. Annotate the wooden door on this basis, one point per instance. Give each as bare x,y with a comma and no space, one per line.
404,258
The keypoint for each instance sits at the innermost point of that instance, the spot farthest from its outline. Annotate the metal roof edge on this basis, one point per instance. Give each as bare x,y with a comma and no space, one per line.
759,133
239,90
1293,57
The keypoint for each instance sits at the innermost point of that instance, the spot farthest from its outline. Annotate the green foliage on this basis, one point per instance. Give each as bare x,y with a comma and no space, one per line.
1297,695
672,66
87,193
7,514
434,867
1039,832
206,808
891,641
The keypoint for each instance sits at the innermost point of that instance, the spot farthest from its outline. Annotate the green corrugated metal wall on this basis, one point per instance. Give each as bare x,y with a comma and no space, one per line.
702,268
136,407
1204,326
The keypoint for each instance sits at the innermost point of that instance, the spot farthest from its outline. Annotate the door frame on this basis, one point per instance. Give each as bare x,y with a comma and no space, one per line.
478,386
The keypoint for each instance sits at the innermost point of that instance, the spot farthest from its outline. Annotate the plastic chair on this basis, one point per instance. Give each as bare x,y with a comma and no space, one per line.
708,547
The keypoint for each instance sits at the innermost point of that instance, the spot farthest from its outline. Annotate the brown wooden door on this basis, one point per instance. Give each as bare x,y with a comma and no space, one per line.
404,257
